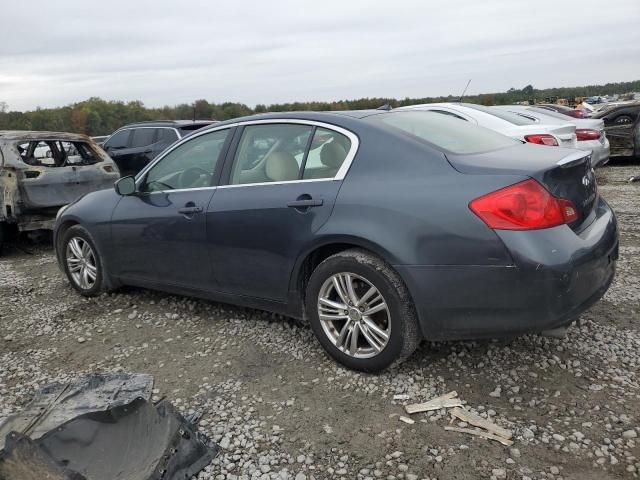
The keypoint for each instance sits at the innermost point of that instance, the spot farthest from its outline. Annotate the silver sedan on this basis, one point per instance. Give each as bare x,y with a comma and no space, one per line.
589,131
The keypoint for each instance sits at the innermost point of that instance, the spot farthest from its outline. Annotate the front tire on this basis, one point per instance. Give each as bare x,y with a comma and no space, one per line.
81,261
361,311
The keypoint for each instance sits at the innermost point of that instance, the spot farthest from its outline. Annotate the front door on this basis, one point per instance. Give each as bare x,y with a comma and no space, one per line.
159,233
282,185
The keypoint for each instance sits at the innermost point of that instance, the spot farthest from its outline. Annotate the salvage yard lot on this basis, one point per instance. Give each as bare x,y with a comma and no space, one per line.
280,408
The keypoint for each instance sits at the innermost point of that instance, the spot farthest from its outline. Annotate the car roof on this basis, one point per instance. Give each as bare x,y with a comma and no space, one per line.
36,135
337,117
169,123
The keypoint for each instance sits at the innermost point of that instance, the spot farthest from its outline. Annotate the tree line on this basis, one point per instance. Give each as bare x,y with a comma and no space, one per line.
96,116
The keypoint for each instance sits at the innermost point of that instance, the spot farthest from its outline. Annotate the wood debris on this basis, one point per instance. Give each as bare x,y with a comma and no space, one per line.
481,433
478,421
447,400
407,420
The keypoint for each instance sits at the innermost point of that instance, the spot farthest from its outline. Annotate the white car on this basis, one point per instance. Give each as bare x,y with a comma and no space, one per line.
590,132
505,122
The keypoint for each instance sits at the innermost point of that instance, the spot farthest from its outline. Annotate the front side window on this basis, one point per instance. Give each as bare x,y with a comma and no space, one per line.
270,153
118,140
190,165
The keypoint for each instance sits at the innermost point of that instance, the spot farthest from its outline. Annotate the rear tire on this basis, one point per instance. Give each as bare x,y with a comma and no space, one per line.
376,309
81,261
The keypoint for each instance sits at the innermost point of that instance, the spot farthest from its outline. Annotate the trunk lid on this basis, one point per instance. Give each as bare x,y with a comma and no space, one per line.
566,173
564,134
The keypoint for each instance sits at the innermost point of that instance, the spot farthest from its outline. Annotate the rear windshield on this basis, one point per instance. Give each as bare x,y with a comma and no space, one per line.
550,113
444,132
504,115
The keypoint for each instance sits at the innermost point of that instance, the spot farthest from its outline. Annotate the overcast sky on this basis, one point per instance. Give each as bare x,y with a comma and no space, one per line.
53,53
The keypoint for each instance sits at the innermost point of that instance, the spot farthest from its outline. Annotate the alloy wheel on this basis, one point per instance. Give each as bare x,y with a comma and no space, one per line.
354,315
81,262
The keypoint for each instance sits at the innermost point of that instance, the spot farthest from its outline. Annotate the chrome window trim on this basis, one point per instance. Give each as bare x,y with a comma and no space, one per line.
341,173
284,182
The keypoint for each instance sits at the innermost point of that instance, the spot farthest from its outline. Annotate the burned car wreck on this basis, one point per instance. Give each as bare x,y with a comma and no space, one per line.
101,427
43,171
622,126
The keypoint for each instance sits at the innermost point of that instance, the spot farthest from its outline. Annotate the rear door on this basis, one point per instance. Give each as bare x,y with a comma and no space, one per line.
159,234
281,184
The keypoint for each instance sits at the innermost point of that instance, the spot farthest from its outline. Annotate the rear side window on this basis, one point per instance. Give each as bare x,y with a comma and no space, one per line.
166,135
55,153
327,153
444,132
142,137
270,153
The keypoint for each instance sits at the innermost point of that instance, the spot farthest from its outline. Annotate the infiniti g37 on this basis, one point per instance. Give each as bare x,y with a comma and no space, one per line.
380,228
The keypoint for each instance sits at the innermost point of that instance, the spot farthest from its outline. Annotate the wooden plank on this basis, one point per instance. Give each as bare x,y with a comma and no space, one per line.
478,421
482,434
447,400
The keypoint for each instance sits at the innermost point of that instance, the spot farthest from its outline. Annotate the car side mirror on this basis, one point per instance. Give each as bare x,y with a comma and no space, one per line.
126,186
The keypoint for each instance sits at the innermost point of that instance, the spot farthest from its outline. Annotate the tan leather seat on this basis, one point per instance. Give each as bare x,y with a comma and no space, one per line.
281,166
332,155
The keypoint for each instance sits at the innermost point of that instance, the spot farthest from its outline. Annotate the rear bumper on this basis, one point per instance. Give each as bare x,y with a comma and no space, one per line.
557,274
599,151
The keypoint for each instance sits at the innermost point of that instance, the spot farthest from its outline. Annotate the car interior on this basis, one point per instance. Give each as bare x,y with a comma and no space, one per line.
280,157
55,153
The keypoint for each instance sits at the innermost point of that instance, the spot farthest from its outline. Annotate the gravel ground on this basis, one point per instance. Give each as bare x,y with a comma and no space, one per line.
280,408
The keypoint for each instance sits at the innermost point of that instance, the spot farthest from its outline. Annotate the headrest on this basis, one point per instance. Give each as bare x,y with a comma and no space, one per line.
333,154
281,166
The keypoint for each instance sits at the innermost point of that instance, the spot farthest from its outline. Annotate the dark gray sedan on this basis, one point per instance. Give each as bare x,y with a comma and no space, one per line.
379,228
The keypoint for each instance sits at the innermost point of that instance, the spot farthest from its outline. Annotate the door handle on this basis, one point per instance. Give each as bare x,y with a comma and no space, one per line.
190,210
306,203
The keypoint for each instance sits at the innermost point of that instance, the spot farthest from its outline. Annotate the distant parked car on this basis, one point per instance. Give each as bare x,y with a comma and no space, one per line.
100,139
622,124
504,122
42,171
568,111
381,228
590,132
133,146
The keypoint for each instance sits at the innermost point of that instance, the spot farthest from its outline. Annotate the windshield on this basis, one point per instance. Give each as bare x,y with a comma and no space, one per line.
504,115
444,132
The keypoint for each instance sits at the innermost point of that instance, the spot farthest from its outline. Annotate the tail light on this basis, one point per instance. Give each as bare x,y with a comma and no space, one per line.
542,139
523,206
587,134
576,113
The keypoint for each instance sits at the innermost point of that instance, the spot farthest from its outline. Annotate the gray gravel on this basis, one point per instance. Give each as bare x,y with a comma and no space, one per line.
280,409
